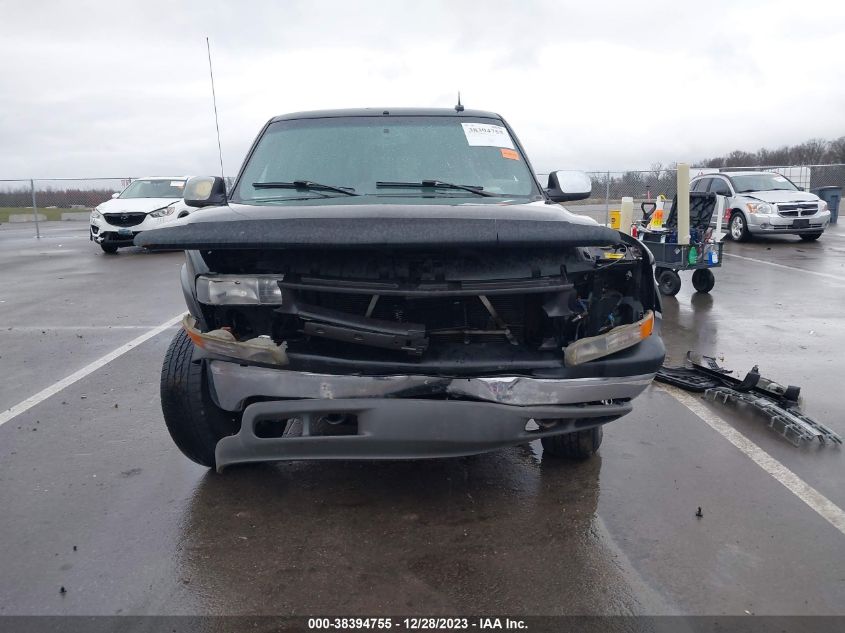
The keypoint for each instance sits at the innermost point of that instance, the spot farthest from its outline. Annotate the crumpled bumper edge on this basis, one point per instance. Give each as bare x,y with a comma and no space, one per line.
233,385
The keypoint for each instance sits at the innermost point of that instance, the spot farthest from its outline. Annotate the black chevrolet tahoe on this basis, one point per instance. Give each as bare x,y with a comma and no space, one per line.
397,284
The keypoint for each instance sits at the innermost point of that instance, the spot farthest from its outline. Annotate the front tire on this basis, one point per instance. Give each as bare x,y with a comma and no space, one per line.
810,237
109,249
195,423
668,282
703,280
738,227
578,445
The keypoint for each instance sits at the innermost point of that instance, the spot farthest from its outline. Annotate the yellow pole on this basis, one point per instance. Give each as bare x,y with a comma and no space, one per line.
683,203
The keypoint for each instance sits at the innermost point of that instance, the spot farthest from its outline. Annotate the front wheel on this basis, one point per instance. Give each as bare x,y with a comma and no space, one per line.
577,445
668,282
810,237
703,280
739,227
195,423
110,249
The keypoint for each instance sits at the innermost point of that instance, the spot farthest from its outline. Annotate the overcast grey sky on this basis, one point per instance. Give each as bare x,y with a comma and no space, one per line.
121,88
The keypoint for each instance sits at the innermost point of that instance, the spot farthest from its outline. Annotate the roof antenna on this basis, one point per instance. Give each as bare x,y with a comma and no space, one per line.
459,107
214,101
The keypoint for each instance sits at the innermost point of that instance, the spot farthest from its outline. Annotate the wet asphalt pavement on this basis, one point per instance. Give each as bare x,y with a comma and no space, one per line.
95,498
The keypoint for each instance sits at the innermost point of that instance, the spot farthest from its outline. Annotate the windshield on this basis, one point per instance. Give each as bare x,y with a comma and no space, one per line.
154,188
376,156
762,182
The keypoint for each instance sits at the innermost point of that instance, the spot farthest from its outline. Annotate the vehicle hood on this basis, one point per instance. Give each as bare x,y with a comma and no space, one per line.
356,225
781,196
134,205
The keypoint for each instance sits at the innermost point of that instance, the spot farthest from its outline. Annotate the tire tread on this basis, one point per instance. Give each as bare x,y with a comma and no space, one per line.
578,445
194,422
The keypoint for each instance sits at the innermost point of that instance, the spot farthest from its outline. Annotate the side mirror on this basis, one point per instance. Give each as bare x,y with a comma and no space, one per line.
205,191
569,185
116,194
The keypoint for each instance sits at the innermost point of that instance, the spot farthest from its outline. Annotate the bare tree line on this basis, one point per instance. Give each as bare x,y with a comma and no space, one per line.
660,178
813,152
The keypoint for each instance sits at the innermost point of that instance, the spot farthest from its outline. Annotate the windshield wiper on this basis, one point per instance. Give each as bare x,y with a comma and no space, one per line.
435,184
306,185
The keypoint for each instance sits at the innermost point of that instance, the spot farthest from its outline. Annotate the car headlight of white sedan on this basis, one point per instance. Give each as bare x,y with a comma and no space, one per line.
96,215
164,211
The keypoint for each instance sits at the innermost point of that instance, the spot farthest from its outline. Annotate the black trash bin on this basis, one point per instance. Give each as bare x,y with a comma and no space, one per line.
833,196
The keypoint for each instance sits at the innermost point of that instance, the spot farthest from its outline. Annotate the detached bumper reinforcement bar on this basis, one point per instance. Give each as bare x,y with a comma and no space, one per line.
398,428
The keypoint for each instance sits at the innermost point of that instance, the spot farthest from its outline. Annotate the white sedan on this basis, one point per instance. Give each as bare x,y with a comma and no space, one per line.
145,204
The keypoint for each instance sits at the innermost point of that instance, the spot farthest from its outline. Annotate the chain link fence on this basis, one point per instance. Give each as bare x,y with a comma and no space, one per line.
42,200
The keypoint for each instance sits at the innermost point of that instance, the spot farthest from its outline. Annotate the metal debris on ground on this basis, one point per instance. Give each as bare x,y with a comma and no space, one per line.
778,403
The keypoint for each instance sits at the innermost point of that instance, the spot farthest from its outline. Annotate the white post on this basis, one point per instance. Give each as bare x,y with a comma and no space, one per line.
626,215
721,201
683,203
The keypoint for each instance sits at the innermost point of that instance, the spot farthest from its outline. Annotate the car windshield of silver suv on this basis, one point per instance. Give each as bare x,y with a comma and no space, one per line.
762,182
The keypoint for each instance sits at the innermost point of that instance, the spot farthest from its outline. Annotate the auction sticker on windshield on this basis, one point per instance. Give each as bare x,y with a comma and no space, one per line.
484,135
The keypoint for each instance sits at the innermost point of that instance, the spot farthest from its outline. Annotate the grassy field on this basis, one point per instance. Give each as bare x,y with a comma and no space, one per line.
52,214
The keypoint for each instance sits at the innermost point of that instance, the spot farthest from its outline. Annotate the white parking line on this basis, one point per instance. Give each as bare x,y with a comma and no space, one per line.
828,510
88,369
795,268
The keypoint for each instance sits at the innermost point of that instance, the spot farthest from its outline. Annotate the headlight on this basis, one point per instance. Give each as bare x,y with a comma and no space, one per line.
619,338
223,290
164,211
96,215
822,206
760,208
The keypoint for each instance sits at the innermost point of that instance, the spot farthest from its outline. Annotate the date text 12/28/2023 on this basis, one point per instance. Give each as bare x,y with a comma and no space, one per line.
417,624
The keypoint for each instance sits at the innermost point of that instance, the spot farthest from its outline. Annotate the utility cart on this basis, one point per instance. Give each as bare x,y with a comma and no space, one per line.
702,253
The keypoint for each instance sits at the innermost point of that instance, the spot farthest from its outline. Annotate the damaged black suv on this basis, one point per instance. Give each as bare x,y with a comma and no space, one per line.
383,284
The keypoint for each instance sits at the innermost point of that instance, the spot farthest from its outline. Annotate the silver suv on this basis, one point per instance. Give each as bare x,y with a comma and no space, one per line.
764,202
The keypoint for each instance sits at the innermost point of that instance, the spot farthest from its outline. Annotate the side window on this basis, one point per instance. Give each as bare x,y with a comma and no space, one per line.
700,185
720,187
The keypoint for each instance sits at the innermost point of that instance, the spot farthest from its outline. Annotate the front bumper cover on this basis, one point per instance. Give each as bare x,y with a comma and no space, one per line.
399,428
407,416
102,231
781,224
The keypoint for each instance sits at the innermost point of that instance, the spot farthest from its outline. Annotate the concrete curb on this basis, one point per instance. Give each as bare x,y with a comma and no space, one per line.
77,216
26,217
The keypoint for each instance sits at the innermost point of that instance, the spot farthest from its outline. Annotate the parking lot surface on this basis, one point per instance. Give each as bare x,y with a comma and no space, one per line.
96,499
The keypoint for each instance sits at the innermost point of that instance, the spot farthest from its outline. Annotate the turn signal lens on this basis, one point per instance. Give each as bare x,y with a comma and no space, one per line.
259,350
619,338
